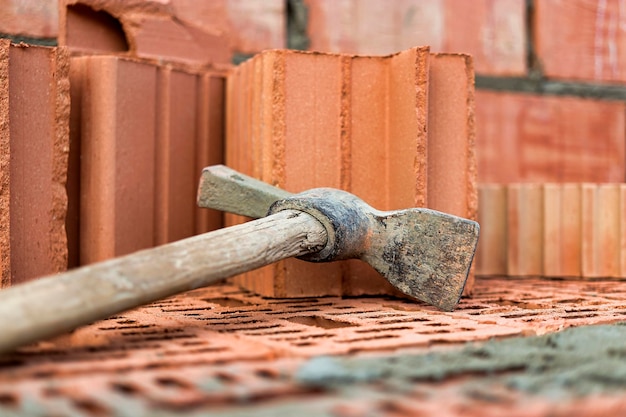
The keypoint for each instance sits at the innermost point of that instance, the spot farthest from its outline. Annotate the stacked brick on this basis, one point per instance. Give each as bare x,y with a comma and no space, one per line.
396,130
34,114
553,230
142,134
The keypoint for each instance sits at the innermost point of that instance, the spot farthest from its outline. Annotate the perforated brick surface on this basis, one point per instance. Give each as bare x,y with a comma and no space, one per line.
224,350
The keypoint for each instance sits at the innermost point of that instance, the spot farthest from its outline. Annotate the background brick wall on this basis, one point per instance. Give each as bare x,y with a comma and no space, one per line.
550,73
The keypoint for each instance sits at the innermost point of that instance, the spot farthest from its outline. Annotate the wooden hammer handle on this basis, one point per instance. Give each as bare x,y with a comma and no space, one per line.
59,303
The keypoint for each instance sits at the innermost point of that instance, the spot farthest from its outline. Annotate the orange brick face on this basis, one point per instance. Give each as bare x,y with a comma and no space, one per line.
32,18
303,120
524,137
493,32
581,39
143,133
34,140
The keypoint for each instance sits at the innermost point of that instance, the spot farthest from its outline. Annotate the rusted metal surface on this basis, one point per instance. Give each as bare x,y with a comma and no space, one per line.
222,351
423,253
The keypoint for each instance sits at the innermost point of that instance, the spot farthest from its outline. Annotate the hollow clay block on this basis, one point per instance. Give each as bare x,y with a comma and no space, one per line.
491,253
451,172
209,140
118,158
601,239
5,173
175,149
302,120
150,30
296,146
525,230
38,136
387,138
562,230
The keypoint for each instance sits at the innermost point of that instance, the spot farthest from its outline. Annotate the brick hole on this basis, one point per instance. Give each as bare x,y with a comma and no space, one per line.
91,407
126,327
227,302
8,400
434,331
319,321
303,344
267,373
238,329
405,320
226,378
291,311
183,309
274,332
521,314
368,339
307,337
8,363
126,321
382,329
221,317
94,30
193,342
237,322
171,382
125,388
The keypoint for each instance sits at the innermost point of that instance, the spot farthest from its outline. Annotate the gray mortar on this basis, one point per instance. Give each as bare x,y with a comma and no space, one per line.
576,362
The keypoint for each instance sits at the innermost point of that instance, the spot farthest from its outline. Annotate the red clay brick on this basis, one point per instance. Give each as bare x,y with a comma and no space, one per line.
157,127
524,138
451,136
524,230
117,158
347,122
5,164
491,253
601,241
492,32
210,140
581,39
38,132
408,158
175,175
146,29
32,18
562,230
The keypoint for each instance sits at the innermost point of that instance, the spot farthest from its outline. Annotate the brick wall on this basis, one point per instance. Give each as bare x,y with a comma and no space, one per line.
550,99
550,74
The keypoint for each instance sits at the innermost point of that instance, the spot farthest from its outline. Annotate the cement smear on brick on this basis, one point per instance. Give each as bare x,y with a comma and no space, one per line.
576,362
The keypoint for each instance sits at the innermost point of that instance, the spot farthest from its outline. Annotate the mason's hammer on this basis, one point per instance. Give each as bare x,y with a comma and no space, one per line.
423,253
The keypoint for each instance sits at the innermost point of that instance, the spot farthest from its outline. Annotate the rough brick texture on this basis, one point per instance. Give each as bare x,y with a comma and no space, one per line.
222,351
492,32
32,18
303,120
5,174
142,143
581,39
553,230
523,137
34,94
191,32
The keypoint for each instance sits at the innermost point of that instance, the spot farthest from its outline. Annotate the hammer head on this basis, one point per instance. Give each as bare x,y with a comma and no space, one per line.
424,253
